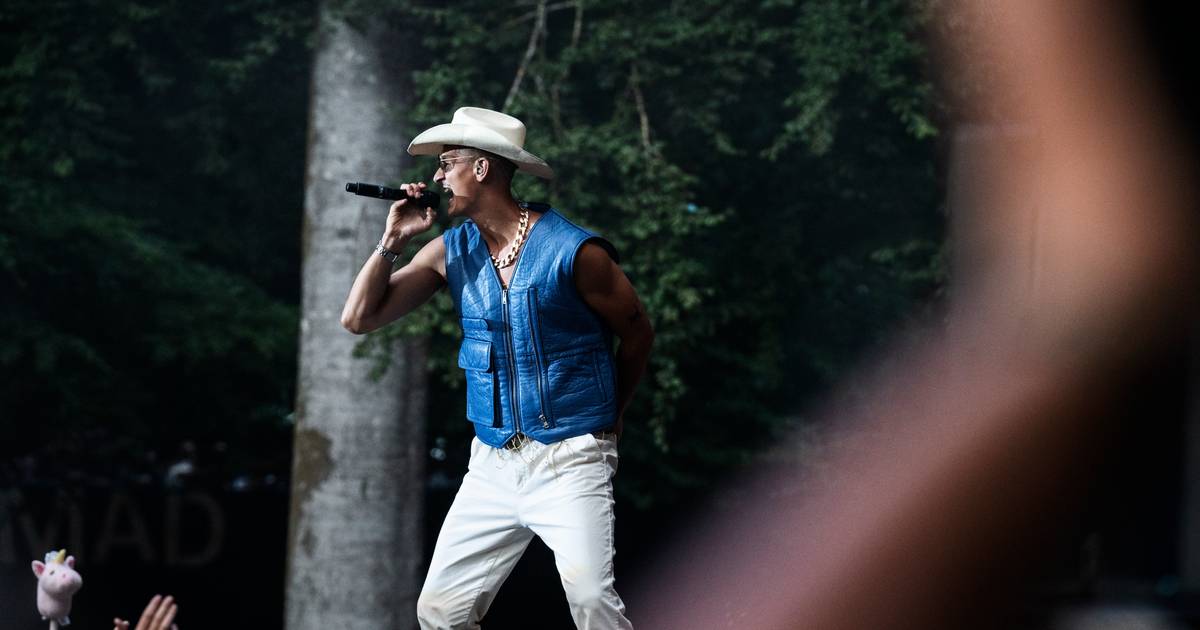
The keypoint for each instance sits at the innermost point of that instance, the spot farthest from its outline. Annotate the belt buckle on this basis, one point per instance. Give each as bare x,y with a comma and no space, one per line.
605,434
516,442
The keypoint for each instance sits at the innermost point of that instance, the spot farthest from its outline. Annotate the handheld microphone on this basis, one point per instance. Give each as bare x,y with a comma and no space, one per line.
428,198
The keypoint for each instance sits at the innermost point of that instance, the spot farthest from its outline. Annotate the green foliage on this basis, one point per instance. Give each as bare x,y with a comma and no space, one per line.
147,277
765,169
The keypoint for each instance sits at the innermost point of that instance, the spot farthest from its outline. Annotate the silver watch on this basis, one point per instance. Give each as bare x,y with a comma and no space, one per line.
390,255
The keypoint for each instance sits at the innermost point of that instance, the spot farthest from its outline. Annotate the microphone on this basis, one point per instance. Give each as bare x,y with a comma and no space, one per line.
428,198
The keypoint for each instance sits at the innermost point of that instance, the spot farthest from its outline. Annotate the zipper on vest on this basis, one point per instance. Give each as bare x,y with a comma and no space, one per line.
536,334
513,392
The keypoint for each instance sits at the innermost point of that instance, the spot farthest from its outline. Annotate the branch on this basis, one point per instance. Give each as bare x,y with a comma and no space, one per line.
538,28
577,30
532,14
641,109
576,33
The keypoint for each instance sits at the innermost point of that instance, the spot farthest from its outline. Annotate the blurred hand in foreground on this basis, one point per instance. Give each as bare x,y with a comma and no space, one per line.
158,615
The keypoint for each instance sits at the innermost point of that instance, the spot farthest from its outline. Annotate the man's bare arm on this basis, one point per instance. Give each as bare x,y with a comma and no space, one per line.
380,296
378,299
608,292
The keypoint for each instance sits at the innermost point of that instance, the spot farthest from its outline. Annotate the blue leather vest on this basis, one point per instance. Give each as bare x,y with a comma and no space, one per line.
537,359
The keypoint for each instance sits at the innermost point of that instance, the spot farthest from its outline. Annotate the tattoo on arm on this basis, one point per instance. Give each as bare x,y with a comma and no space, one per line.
636,315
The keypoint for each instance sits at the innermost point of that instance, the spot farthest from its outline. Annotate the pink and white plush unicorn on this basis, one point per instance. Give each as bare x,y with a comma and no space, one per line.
57,582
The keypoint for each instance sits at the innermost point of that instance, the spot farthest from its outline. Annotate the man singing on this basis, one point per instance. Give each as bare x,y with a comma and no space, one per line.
539,300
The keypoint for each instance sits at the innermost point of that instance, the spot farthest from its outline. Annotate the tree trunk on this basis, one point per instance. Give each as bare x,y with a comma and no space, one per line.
354,531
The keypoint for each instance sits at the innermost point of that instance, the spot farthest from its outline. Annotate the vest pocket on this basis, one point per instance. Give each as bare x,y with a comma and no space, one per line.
475,357
546,413
474,324
604,373
576,386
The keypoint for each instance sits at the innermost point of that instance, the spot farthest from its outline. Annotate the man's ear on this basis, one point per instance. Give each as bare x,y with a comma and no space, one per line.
481,168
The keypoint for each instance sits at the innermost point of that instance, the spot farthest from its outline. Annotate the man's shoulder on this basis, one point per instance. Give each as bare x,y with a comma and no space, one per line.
564,237
580,239
559,222
458,238
595,255
564,229
461,229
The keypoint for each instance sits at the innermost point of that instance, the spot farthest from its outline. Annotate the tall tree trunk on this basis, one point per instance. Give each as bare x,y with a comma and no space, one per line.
354,532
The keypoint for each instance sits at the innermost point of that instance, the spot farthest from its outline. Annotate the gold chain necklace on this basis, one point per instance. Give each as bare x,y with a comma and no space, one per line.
515,247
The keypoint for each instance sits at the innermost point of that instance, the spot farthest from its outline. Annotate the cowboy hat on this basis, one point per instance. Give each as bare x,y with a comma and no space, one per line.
484,129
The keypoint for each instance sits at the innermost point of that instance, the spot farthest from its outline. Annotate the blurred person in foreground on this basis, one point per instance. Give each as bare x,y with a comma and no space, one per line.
539,300
1071,197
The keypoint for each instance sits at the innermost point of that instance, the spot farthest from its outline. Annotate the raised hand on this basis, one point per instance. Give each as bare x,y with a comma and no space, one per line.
158,615
405,219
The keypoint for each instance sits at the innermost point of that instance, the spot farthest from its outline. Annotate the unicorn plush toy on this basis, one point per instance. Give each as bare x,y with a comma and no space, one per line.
57,583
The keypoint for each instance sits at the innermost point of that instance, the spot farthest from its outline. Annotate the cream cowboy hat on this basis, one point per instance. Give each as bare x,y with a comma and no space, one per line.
484,129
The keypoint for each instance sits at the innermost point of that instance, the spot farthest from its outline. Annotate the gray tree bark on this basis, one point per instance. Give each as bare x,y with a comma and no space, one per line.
354,543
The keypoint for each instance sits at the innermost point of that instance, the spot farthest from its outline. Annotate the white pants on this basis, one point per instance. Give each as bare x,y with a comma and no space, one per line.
560,492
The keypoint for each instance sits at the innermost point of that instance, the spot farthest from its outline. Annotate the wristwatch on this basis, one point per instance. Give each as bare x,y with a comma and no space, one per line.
390,255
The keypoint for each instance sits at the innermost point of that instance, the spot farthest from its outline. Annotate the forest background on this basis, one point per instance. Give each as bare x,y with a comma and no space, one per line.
768,175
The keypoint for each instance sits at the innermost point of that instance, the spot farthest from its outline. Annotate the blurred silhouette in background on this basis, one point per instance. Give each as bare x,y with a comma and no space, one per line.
1071,193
